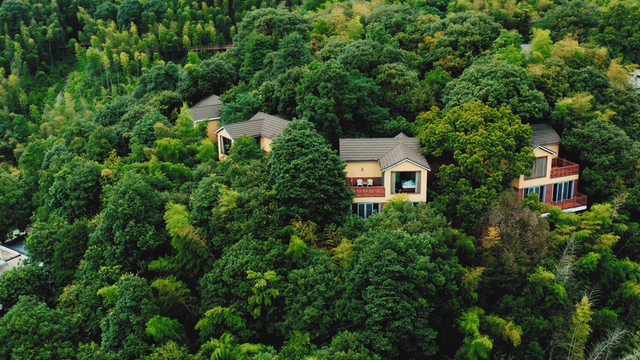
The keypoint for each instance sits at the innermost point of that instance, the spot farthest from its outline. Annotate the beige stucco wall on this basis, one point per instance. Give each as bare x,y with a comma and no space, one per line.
363,170
265,144
212,126
404,166
222,133
521,183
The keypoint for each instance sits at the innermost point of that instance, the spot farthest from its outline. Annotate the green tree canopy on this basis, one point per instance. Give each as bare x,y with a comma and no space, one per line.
338,102
489,149
497,84
31,330
309,177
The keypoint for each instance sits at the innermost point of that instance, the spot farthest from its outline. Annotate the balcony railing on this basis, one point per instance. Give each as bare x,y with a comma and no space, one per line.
369,191
562,167
578,200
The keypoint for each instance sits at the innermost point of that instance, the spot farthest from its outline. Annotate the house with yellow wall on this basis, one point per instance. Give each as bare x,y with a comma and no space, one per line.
553,179
262,127
378,168
207,110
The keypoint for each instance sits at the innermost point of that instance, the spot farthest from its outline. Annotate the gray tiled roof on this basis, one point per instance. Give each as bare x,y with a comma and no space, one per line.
207,108
544,134
261,124
387,151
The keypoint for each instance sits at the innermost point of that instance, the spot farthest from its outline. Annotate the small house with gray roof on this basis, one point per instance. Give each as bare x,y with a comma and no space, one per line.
553,179
207,110
378,168
264,128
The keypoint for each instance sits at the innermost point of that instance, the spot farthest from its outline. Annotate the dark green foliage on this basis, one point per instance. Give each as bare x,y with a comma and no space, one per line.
15,210
31,330
159,78
608,155
239,107
399,271
12,12
292,52
497,83
464,36
309,177
244,150
30,279
106,11
154,11
75,192
338,102
579,18
275,23
111,113
60,246
366,55
130,228
143,133
394,18
257,47
617,31
124,326
130,11
215,77
345,346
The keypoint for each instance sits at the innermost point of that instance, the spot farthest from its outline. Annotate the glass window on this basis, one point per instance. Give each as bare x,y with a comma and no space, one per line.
226,145
535,189
365,209
405,182
563,190
539,168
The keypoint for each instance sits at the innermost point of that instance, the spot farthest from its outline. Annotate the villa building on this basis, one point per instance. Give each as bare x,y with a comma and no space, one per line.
207,110
262,127
553,179
378,168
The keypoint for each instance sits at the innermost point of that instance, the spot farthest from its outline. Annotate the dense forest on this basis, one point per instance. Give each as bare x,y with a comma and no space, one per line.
145,246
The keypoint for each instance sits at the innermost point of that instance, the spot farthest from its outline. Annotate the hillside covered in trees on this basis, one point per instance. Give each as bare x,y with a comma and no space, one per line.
144,245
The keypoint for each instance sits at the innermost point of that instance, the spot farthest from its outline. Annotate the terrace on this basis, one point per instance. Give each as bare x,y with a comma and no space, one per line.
562,167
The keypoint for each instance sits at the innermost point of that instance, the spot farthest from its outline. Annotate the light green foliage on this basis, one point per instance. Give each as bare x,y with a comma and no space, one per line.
262,295
507,47
476,346
490,148
296,347
296,248
471,280
580,329
110,294
173,295
219,320
207,151
542,46
163,329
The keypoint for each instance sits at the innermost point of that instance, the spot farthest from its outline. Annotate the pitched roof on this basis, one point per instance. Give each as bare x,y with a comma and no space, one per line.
207,108
544,134
388,152
261,124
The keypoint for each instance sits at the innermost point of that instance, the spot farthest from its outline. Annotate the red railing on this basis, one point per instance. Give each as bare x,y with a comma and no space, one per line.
369,191
562,167
578,200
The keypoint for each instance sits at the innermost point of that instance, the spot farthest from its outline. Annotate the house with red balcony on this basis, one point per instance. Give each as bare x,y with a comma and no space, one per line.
553,179
378,168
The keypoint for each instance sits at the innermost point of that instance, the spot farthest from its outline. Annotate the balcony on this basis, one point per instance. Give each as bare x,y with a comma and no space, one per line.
562,167
578,200
369,191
